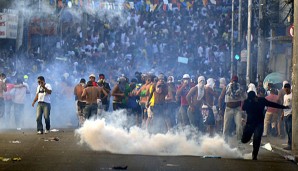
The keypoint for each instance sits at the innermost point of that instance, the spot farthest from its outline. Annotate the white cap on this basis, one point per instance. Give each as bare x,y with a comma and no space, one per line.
222,81
91,75
205,106
252,87
186,76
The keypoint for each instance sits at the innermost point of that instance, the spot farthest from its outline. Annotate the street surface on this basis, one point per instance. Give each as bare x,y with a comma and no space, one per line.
25,150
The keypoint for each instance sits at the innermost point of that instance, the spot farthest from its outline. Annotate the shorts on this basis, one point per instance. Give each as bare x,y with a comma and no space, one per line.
208,116
149,112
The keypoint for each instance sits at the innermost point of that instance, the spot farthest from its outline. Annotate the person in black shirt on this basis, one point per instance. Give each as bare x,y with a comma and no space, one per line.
106,86
254,107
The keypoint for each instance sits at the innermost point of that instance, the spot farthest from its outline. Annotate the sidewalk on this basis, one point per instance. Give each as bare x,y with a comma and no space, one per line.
278,144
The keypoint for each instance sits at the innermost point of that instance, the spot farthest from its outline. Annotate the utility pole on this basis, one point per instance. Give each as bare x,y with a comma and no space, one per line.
19,39
248,68
241,64
232,42
239,21
294,84
261,41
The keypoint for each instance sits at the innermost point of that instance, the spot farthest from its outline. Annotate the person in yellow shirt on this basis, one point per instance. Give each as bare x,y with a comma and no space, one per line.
156,104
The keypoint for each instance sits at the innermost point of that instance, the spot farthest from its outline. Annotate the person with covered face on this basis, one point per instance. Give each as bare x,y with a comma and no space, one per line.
181,93
106,86
92,78
233,95
156,105
195,101
254,107
221,105
171,105
208,118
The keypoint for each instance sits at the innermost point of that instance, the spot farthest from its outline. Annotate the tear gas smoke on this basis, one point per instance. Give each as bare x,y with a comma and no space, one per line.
110,134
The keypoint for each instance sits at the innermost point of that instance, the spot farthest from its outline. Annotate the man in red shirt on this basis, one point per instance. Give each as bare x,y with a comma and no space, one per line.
181,93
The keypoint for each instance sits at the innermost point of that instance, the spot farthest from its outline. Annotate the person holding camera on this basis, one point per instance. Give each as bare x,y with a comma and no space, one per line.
43,97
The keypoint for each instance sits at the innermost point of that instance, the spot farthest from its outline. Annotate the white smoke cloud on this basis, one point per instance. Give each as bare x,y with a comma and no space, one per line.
111,136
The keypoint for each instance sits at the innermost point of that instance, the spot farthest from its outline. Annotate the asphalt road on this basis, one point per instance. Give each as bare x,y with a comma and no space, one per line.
25,150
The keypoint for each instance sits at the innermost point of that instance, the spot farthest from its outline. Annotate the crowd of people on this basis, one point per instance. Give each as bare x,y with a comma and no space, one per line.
158,105
142,74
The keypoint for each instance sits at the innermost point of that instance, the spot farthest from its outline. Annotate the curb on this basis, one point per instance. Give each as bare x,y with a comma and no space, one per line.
288,155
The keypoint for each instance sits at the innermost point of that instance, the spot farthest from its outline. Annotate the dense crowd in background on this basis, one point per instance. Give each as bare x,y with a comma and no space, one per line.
165,69
145,42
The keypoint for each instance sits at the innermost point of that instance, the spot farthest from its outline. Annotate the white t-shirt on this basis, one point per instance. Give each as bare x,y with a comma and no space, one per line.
288,102
42,95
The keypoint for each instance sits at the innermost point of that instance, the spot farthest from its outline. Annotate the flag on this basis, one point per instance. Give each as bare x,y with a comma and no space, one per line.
170,6
131,5
205,2
152,7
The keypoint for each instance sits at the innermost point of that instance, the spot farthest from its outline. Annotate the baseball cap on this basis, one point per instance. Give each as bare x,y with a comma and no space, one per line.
186,76
91,75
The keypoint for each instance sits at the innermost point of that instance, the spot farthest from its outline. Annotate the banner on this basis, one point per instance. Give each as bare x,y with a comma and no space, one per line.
2,26
183,60
8,26
11,26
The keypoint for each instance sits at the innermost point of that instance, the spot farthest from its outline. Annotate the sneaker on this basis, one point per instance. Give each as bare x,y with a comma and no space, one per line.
288,148
46,131
39,132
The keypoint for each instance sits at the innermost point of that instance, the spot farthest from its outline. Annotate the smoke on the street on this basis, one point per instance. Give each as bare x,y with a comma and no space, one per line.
111,135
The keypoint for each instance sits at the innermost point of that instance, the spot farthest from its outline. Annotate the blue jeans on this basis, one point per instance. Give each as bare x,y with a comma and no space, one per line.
288,123
45,109
90,110
2,107
195,118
